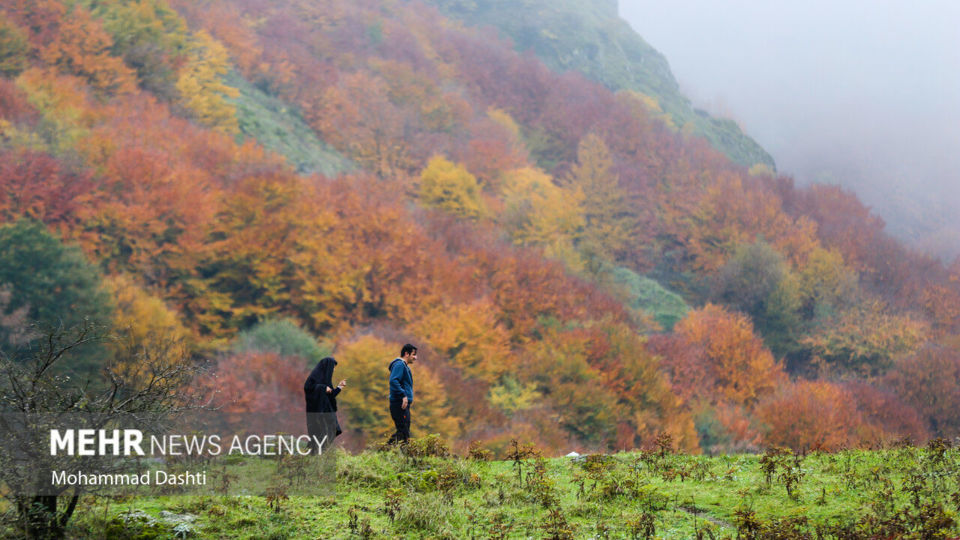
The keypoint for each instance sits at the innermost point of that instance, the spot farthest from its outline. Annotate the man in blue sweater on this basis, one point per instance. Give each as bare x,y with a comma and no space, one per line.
401,392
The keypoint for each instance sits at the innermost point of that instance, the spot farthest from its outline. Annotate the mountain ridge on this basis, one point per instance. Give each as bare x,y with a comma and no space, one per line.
590,37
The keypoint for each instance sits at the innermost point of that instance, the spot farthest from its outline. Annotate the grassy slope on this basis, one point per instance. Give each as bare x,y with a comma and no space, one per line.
455,498
279,128
642,293
589,37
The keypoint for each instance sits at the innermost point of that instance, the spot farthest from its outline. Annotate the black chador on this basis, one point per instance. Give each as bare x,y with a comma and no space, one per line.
321,397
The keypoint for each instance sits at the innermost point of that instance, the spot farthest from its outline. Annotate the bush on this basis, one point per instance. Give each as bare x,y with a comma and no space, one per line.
281,336
431,445
477,452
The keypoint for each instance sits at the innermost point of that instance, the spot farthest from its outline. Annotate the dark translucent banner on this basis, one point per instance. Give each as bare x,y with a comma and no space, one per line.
192,454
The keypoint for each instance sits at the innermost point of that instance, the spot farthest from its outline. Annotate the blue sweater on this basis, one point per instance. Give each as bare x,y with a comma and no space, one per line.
401,381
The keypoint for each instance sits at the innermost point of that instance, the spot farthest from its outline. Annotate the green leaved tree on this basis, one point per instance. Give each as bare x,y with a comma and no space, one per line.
54,283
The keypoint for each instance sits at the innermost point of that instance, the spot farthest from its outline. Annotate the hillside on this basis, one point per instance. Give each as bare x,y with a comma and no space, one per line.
268,182
590,37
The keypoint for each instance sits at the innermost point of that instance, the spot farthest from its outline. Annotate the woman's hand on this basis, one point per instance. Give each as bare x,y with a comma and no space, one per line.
341,384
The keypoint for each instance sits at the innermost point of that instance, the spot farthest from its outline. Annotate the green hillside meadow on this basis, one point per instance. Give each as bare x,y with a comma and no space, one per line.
424,492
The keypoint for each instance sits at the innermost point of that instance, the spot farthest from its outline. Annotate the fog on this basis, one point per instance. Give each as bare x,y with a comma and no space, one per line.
865,94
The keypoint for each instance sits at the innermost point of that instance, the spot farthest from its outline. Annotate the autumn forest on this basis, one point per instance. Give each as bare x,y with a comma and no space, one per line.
578,270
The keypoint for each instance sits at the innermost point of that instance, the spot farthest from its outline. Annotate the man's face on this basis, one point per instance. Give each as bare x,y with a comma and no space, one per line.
411,357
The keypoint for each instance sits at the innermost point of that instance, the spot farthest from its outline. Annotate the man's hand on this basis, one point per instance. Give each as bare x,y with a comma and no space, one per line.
404,404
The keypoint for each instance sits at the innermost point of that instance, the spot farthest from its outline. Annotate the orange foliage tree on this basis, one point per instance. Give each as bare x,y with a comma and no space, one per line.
631,370
526,289
248,252
470,336
611,390
82,47
732,213
941,302
736,362
844,223
811,415
37,186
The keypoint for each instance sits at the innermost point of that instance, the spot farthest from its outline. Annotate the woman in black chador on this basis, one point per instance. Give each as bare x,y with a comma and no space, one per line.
321,397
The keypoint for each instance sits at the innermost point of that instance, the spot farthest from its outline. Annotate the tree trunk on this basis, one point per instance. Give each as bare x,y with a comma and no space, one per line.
39,514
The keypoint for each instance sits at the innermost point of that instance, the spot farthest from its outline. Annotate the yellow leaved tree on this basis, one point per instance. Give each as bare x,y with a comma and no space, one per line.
62,103
470,336
146,330
609,219
826,283
451,187
506,121
202,90
537,212
866,338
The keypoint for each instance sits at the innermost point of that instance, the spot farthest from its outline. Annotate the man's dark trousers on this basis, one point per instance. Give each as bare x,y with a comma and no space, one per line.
401,419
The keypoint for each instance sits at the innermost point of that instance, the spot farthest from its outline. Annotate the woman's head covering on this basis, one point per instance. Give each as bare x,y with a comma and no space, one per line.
323,373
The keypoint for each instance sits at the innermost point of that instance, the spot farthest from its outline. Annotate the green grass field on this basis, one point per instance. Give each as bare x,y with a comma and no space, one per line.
904,492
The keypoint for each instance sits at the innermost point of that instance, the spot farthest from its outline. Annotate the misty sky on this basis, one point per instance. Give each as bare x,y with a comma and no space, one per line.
861,93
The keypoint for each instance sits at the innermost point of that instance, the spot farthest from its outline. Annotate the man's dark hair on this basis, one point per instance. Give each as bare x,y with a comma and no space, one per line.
408,348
